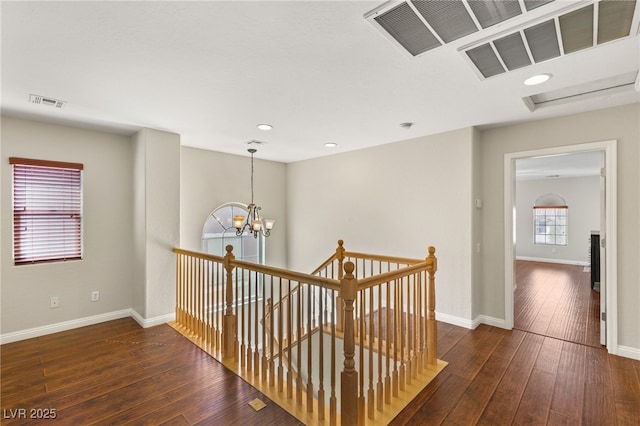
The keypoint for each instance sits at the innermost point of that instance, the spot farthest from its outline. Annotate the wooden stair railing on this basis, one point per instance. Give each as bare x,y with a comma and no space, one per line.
274,326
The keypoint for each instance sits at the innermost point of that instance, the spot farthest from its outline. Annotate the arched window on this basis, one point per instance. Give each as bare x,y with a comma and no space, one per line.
218,232
550,225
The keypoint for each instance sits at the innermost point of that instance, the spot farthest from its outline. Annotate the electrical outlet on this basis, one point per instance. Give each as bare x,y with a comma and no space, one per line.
54,302
95,296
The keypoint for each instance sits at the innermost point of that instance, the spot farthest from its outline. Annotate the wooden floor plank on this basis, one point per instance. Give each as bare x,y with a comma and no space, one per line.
568,393
156,376
556,300
536,399
470,406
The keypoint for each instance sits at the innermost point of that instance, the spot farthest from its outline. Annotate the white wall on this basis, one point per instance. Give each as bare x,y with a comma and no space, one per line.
107,265
394,199
209,179
157,191
620,123
582,195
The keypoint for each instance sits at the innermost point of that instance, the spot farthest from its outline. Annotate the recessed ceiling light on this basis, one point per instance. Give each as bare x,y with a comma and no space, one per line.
264,126
330,144
537,79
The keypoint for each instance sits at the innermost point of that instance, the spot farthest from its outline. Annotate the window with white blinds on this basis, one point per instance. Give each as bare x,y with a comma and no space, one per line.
47,211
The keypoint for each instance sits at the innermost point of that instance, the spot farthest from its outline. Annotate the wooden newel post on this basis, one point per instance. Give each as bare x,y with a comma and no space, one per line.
229,328
349,375
340,257
432,330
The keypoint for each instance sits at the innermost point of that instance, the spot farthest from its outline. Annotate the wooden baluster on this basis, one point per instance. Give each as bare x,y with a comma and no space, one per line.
178,288
280,337
340,257
264,328
349,375
256,346
249,328
229,322
409,331
218,300
371,339
299,347
396,337
402,325
271,337
309,349
200,302
243,319
207,312
290,341
380,388
211,302
321,350
360,313
421,310
192,298
432,331
388,333
332,399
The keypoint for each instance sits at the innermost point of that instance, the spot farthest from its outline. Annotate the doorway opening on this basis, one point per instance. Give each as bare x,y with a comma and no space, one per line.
550,256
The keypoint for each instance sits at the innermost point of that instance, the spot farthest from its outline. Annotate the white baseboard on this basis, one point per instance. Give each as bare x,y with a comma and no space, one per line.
485,319
152,322
470,324
562,261
82,322
629,352
451,319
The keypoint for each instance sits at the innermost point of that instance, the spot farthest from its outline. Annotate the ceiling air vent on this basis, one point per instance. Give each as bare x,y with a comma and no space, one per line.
570,30
417,26
41,100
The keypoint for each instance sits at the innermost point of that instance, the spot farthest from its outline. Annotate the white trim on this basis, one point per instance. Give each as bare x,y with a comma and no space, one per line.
629,352
611,274
485,319
451,319
152,322
82,322
470,324
561,261
62,326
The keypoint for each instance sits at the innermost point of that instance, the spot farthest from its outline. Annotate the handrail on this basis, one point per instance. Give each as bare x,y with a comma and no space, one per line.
198,254
324,264
372,281
329,283
382,258
323,282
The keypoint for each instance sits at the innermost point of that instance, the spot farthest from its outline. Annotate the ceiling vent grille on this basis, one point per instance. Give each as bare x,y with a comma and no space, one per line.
422,25
41,100
583,28
418,26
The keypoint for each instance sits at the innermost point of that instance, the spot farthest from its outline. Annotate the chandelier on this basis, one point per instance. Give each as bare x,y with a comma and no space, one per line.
254,222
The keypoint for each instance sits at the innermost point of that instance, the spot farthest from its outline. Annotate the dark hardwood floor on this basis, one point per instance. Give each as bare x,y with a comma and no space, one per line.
556,300
119,373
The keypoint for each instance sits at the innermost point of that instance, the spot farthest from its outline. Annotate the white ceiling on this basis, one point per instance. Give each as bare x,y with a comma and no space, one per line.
316,70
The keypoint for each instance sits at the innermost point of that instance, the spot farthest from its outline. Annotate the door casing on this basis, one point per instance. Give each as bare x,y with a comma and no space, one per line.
609,280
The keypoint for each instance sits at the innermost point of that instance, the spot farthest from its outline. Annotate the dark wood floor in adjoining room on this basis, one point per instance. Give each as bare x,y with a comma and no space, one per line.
119,373
556,300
